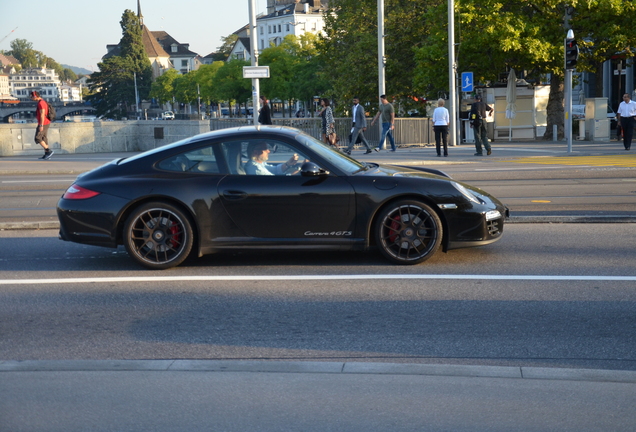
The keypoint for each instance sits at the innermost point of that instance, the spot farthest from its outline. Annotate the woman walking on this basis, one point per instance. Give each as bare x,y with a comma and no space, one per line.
441,120
328,123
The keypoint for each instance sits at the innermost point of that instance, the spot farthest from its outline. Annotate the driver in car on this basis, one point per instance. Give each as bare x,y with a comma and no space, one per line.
258,153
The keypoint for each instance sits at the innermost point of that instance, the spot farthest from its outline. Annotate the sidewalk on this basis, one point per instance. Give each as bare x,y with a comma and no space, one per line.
77,163
193,395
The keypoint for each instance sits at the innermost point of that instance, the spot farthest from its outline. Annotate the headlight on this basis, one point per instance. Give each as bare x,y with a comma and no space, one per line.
468,194
493,214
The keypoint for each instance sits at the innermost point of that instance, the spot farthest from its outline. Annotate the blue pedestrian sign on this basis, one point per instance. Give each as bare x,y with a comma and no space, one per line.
467,81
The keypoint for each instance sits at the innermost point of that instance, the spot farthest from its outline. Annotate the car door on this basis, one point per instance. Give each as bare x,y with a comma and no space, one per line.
285,205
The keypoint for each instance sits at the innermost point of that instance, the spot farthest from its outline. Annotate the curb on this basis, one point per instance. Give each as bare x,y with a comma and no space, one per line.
252,366
43,225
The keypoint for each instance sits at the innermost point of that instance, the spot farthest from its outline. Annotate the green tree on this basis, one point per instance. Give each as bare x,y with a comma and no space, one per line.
282,66
205,77
223,52
23,51
113,86
163,87
494,36
349,49
604,30
230,84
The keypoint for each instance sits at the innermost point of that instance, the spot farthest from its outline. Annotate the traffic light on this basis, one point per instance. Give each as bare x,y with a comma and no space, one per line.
571,53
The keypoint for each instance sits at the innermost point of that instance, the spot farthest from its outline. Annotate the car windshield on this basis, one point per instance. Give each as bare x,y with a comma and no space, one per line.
339,160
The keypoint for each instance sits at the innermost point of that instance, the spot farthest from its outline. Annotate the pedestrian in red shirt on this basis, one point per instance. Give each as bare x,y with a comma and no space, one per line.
41,116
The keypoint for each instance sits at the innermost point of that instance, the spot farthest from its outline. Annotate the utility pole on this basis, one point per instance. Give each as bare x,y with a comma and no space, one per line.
381,57
571,57
254,47
451,73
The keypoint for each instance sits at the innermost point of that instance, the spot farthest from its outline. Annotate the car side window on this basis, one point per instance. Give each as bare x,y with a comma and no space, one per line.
201,160
270,157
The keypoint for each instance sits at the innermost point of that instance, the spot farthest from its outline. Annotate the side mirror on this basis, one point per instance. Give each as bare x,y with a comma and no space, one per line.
310,169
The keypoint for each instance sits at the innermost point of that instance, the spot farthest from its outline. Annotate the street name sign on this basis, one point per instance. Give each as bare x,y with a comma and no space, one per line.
255,72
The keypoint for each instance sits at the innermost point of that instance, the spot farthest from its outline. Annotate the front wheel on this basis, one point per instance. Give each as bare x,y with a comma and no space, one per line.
408,232
158,235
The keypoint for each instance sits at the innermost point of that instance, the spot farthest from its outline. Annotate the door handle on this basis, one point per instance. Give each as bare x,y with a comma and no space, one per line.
234,195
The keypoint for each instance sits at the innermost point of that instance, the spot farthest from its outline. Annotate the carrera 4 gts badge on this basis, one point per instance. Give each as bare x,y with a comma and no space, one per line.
332,233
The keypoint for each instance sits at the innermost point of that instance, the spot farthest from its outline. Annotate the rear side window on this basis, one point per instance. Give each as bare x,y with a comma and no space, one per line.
201,160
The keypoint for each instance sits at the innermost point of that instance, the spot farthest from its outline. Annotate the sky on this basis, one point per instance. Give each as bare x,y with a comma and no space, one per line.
76,32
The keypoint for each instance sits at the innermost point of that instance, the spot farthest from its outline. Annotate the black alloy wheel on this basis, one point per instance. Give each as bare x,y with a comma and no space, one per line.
408,232
158,235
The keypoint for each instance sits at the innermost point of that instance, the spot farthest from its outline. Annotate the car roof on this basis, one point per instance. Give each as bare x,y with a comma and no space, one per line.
267,129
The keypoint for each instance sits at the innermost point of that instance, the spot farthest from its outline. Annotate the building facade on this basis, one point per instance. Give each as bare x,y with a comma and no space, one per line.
45,81
283,18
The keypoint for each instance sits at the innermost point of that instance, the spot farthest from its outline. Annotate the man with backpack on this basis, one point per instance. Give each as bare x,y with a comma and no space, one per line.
43,118
478,123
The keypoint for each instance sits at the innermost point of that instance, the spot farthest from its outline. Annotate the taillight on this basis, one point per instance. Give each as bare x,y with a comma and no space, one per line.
76,192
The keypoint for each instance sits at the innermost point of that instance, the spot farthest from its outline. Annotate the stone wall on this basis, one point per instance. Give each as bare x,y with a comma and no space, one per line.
17,139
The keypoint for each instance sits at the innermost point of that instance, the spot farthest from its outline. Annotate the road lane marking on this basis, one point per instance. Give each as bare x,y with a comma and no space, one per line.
624,161
40,181
230,278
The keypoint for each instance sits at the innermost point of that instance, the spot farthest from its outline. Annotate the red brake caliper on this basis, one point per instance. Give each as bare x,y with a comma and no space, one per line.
395,225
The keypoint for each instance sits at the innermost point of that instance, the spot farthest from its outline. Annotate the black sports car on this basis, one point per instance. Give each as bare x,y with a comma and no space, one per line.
270,188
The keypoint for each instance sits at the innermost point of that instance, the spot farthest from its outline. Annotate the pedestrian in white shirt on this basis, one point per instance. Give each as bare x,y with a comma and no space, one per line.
441,120
626,113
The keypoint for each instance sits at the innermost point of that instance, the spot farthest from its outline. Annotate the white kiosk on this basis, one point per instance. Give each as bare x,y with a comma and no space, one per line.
597,125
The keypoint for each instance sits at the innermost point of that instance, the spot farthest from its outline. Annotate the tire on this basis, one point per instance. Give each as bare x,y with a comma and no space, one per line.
408,232
158,236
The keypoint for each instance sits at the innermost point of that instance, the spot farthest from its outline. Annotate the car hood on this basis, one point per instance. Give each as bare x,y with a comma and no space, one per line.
402,171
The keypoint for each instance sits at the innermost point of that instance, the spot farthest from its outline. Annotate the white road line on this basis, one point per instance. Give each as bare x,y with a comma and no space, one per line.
315,277
39,181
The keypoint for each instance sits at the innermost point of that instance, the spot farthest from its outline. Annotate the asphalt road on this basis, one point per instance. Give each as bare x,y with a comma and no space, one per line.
545,295
532,179
534,332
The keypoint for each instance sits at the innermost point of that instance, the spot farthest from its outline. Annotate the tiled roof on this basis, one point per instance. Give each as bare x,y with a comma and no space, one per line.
6,60
152,47
166,41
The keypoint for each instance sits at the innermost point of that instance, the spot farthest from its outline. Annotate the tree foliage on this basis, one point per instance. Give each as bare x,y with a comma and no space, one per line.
349,48
162,88
28,57
113,87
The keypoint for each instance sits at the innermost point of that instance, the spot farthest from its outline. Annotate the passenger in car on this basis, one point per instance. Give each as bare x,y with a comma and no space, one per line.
258,153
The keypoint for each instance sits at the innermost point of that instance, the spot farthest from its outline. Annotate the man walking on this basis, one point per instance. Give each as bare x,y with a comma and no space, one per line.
478,123
626,112
41,116
265,114
358,127
387,114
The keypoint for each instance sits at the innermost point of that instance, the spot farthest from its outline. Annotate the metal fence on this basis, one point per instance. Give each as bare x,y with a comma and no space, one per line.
409,132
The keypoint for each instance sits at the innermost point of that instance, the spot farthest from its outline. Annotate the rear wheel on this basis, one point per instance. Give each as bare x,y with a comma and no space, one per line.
408,232
158,235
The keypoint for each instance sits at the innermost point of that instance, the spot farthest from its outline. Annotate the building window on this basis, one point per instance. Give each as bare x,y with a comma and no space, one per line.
287,28
261,29
279,30
269,29
174,48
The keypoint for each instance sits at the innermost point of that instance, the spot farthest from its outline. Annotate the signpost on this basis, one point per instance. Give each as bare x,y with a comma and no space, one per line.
467,82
